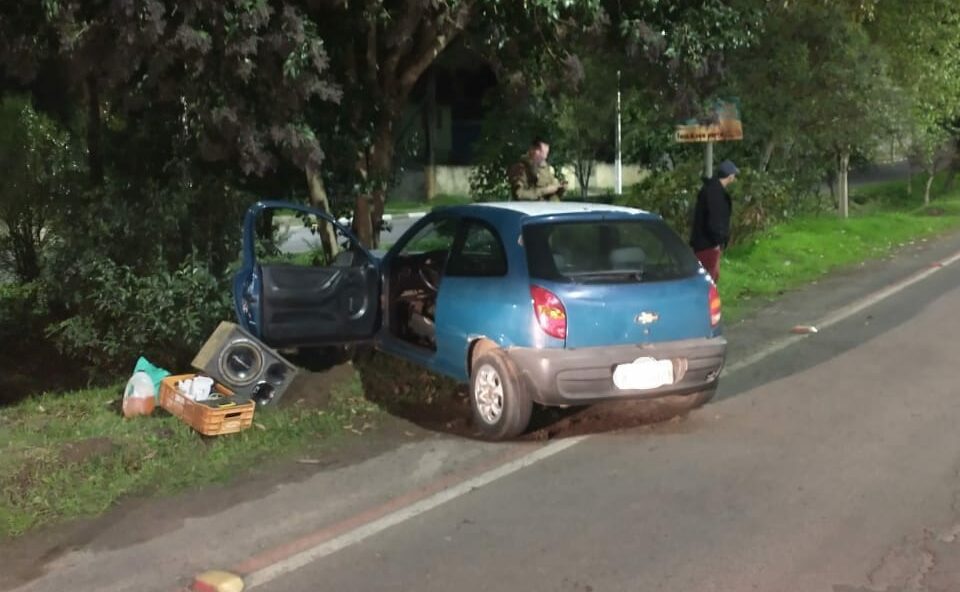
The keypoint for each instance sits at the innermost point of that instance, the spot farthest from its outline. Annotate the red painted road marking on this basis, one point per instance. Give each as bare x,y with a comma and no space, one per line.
327,533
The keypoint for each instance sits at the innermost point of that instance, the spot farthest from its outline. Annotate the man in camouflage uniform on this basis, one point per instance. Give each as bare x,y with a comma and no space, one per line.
532,179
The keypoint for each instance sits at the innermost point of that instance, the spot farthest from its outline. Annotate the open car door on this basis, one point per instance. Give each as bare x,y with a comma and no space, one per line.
305,280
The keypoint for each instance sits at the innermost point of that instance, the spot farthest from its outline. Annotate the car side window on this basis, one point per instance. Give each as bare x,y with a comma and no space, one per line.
295,237
480,254
435,236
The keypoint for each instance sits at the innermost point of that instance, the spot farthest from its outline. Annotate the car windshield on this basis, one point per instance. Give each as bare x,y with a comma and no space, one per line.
611,251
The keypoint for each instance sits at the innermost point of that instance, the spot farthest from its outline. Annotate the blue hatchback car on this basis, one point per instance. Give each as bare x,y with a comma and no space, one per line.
556,303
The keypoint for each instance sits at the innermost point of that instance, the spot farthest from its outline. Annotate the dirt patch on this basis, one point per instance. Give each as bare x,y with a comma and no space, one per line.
441,405
606,417
314,389
86,450
447,413
407,391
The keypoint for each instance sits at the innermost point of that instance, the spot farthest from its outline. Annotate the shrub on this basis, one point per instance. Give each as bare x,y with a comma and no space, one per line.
759,199
141,270
23,311
30,361
120,314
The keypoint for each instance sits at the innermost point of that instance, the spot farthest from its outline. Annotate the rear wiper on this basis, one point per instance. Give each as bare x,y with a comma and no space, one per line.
636,274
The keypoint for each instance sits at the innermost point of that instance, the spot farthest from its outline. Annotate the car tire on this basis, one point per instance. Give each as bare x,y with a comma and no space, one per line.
499,401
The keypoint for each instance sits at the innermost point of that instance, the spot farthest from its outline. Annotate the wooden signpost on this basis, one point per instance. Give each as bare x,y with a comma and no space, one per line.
720,124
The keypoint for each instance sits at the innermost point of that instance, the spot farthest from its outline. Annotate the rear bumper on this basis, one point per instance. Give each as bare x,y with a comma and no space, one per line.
581,376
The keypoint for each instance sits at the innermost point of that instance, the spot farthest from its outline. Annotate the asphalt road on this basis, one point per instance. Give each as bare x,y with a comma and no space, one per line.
832,465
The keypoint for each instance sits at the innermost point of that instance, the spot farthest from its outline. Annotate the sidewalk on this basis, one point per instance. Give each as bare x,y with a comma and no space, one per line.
142,549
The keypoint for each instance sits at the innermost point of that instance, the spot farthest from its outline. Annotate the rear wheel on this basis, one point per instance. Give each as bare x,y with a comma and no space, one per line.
499,401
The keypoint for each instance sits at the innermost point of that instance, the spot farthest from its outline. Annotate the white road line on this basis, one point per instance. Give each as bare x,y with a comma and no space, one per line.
304,558
298,560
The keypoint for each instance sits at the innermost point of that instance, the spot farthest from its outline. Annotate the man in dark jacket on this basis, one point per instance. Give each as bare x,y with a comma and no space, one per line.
711,219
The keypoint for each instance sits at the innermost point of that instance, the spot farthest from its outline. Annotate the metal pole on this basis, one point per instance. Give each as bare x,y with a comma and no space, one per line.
619,189
708,161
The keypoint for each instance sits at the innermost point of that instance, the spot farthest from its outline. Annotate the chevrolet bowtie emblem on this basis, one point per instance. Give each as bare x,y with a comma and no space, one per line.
645,318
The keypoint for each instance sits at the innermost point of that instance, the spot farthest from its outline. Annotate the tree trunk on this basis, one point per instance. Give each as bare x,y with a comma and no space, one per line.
842,173
584,171
23,240
909,179
362,223
376,213
376,168
429,124
831,186
94,153
319,200
931,175
768,148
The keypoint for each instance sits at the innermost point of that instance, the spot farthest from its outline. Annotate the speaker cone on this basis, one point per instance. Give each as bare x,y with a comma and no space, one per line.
263,393
241,362
276,373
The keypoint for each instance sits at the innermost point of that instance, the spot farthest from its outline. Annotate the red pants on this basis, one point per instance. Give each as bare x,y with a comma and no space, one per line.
710,258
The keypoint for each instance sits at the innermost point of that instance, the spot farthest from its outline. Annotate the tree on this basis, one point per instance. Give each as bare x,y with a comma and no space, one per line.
856,111
682,48
383,50
815,87
560,80
920,41
39,166
585,118
234,83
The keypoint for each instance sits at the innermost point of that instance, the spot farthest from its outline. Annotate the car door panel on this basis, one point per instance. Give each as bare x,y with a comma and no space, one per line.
311,306
290,305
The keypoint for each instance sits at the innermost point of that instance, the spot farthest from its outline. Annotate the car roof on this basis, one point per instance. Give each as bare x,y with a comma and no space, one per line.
538,209
552,208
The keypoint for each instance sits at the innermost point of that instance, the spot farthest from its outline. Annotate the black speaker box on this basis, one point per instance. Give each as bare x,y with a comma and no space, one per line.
241,362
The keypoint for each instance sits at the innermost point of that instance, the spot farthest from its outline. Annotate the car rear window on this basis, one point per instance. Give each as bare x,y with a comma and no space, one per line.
611,251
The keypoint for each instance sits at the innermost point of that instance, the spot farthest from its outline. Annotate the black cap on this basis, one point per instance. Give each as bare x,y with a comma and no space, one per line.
726,169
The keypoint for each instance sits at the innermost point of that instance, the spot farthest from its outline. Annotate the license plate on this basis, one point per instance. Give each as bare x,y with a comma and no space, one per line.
643,374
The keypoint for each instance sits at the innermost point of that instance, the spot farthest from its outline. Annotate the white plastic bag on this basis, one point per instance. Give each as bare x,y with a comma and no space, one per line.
138,397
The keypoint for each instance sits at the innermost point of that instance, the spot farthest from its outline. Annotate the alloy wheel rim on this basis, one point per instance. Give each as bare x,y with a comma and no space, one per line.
488,394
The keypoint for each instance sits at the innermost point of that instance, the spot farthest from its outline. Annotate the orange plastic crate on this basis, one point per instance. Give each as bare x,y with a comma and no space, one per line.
209,421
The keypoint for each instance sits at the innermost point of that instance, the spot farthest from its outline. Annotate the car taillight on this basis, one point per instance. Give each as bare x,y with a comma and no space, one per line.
549,311
714,306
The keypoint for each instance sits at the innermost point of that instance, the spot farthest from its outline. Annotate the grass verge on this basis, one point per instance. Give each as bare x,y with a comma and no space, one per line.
73,455
797,252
